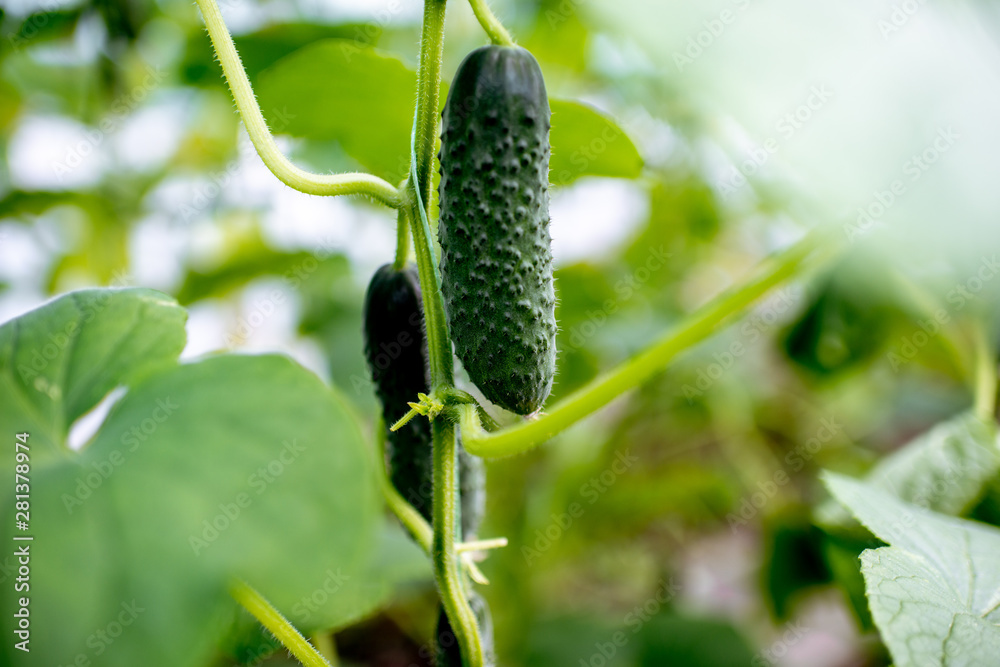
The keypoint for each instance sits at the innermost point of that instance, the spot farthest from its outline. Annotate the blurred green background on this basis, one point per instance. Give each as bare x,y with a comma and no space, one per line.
681,516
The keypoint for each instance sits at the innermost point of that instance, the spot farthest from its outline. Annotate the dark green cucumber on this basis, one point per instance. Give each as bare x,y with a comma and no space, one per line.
496,256
396,352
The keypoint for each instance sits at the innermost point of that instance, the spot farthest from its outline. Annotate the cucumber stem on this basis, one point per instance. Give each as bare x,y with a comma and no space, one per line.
698,326
491,24
278,625
354,183
445,505
402,238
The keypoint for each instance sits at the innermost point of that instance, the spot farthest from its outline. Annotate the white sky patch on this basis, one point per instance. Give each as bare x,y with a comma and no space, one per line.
157,253
206,329
86,427
151,135
593,216
22,257
55,153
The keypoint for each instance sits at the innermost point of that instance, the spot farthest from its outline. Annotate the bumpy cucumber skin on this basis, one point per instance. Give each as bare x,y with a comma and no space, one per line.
396,353
496,256
448,652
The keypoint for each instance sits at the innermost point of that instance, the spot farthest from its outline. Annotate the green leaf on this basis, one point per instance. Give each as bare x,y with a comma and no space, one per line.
945,469
372,122
234,466
670,639
262,48
935,592
58,361
337,89
586,142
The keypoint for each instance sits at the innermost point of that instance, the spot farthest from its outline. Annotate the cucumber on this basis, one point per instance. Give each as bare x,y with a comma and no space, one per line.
496,256
396,352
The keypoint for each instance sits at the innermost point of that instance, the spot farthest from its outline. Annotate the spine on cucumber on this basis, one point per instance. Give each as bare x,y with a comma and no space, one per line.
396,352
496,261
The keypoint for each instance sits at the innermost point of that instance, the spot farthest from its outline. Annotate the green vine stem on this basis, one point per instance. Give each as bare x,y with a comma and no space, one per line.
986,374
428,92
446,560
402,238
491,24
415,524
445,506
278,625
253,119
598,393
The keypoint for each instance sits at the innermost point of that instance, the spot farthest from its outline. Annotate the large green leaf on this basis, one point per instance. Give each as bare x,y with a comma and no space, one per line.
234,466
58,361
945,469
357,95
338,89
935,592
586,142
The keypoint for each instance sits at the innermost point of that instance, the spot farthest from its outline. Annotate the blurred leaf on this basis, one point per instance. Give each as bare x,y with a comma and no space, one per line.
933,592
68,89
669,639
250,258
568,641
794,561
60,360
841,553
586,142
260,49
327,92
373,123
202,472
945,469
849,320
44,26
558,37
